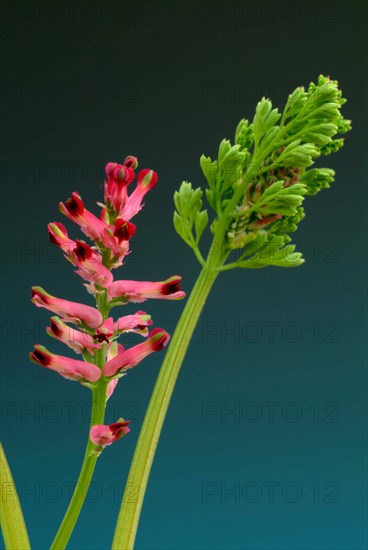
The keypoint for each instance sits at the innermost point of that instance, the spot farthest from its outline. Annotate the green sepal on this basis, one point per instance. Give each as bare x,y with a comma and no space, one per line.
87,356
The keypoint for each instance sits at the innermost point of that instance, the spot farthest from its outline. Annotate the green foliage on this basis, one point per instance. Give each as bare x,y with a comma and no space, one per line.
297,154
223,174
244,135
188,214
285,256
256,186
264,120
317,179
277,199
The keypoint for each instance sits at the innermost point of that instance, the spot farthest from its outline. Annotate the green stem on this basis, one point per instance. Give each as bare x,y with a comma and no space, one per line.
86,473
130,510
198,255
11,518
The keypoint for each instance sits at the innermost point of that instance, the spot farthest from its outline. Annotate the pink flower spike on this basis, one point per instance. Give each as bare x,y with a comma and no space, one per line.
139,291
75,339
73,369
147,179
133,323
102,435
126,359
91,226
69,311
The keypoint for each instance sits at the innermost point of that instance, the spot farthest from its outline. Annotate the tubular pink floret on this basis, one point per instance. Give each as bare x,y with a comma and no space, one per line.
58,235
73,369
133,323
69,311
126,359
147,179
90,265
139,291
102,435
74,339
91,226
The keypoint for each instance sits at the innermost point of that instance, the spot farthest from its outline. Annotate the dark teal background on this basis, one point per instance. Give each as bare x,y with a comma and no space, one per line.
85,83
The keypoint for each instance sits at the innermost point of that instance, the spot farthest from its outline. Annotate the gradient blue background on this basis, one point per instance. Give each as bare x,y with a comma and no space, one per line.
87,83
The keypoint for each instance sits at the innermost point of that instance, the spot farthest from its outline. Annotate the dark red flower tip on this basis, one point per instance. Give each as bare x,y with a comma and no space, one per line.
75,204
35,292
109,168
147,177
131,162
55,329
124,230
51,235
83,251
160,343
122,174
118,427
101,337
171,287
41,357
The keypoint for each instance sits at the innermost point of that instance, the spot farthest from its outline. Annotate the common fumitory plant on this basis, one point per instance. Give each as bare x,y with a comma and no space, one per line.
90,331
255,190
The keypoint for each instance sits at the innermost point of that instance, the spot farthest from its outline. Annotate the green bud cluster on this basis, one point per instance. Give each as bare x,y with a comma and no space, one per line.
256,186
188,214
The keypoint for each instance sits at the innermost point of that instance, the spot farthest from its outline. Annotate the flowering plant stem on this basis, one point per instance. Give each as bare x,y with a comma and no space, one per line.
11,518
86,473
130,510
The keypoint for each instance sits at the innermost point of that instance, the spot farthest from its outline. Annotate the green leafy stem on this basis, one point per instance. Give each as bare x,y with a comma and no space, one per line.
255,189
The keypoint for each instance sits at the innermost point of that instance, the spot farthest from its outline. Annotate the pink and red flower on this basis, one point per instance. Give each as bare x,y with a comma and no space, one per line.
73,369
102,435
126,359
74,339
69,311
90,266
139,291
111,232
91,226
119,176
